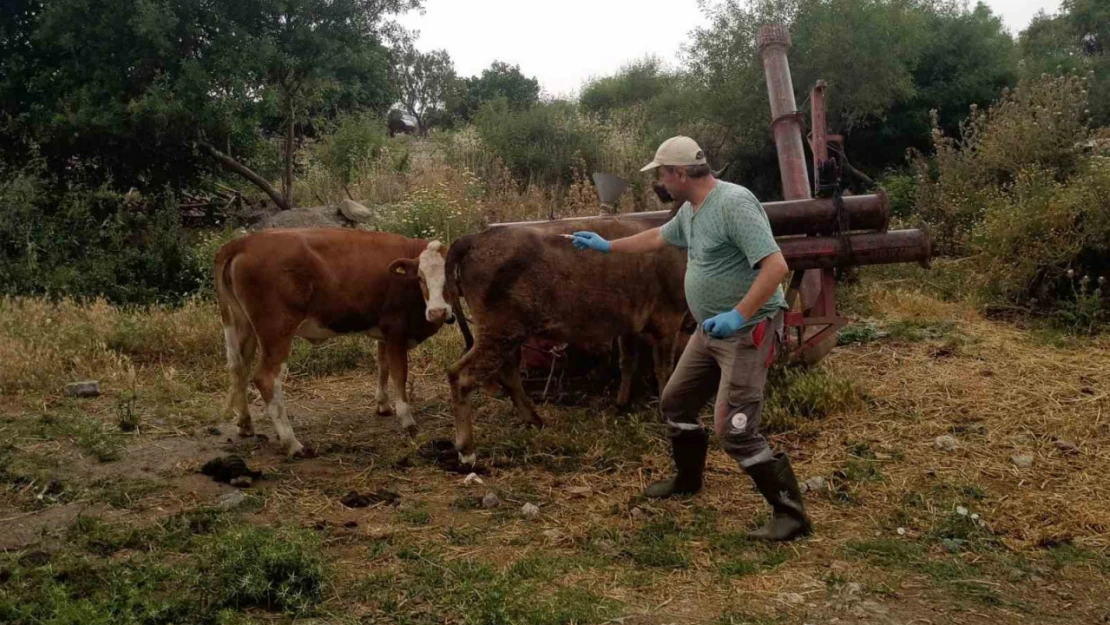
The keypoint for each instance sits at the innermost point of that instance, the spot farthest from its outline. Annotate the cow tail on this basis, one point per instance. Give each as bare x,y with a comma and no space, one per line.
455,256
231,312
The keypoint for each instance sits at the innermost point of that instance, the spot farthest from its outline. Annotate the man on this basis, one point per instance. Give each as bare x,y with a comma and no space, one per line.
733,277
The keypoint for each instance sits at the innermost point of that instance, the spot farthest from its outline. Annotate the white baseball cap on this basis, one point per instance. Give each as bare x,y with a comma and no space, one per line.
677,152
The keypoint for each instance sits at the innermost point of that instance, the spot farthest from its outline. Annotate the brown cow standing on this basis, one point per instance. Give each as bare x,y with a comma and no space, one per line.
528,281
316,284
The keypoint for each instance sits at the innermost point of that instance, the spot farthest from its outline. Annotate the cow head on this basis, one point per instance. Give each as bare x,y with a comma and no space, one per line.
429,269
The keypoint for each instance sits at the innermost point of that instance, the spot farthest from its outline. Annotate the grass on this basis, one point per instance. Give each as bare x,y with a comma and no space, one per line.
864,420
196,568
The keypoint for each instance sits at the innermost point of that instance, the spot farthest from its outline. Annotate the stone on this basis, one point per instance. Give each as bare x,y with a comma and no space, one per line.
490,500
946,443
953,545
1022,462
637,513
553,535
580,491
792,598
815,484
355,212
1067,448
84,388
530,510
307,217
234,499
472,479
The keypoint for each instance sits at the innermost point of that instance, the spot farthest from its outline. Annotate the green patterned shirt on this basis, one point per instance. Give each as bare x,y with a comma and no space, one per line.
725,240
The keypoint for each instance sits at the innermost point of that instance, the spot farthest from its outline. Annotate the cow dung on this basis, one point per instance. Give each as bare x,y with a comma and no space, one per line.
229,468
354,500
442,452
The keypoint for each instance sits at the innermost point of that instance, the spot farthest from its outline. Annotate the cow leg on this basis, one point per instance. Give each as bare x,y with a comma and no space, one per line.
268,378
241,343
629,349
511,383
480,365
663,359
398,357
383,378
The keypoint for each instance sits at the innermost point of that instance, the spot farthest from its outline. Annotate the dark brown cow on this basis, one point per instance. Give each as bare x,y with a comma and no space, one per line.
531,281
316,284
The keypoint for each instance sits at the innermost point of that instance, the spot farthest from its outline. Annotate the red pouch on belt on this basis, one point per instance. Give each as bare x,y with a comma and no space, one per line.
759,334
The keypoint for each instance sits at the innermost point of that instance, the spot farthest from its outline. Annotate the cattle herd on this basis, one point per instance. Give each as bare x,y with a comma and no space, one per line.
519,282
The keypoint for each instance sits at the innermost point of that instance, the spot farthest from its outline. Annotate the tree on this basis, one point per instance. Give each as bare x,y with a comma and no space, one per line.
303,50
888,63
425,80
1075,40
499,81
154,93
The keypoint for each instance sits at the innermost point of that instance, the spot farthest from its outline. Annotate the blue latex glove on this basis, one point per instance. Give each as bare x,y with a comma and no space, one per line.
724,325
590,240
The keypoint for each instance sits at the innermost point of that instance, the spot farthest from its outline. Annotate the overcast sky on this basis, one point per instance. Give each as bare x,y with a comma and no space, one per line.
565,43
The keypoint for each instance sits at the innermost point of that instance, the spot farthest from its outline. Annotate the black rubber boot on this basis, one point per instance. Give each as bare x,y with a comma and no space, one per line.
776,482
689,448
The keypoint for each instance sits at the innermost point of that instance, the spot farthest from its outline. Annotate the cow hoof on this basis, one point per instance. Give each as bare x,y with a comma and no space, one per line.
296,450
468,459
246,432
412,430
304,452
384,410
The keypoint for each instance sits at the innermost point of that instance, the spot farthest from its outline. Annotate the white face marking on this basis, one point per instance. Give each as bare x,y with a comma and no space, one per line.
433,270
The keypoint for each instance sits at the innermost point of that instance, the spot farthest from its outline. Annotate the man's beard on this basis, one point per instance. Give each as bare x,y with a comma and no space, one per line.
666,198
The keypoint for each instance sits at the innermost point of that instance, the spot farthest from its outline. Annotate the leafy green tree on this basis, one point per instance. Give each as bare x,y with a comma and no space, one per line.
134,92
499,81
887,63
1075,40
426,81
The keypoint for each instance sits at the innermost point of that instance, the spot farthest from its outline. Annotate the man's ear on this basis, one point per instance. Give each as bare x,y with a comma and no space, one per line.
404,267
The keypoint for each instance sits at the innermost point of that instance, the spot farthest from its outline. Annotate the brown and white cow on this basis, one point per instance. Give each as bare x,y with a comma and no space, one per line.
526,281
316,284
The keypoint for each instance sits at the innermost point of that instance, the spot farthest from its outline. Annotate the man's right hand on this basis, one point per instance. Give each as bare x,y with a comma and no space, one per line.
590,240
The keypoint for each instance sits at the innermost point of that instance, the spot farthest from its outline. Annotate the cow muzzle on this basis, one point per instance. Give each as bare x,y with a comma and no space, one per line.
439,315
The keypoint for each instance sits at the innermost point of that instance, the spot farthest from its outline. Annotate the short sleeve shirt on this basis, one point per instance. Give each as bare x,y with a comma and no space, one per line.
725,240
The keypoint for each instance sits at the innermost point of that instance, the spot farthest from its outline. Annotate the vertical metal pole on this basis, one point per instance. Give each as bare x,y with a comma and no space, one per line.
774,42
817,287
818,141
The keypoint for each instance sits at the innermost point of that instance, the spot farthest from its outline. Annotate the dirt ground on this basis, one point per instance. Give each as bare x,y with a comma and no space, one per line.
1009,523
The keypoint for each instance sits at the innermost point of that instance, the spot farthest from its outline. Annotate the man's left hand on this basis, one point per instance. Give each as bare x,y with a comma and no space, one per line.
724,325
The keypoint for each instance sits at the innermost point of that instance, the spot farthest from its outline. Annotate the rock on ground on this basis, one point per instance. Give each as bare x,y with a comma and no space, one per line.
84,388
946,443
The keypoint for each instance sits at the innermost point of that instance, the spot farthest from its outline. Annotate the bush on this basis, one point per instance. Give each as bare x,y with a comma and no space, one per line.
1018,194
58,240
1037,126
545,144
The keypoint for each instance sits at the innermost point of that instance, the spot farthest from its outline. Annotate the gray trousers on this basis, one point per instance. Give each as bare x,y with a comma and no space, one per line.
735,369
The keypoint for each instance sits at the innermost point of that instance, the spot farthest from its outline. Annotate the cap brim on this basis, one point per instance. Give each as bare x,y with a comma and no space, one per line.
650,166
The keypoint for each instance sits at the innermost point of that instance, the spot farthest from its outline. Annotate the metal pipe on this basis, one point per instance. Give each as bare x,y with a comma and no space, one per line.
816,217
878,248
774,42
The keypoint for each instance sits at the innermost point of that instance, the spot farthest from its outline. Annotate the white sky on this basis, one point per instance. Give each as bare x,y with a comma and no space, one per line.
565,43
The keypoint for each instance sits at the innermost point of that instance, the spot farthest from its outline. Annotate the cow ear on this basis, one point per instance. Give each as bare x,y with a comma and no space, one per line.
404,267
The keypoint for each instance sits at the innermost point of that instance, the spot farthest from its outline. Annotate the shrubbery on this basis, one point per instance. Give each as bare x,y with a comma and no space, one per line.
58,239
1019,193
